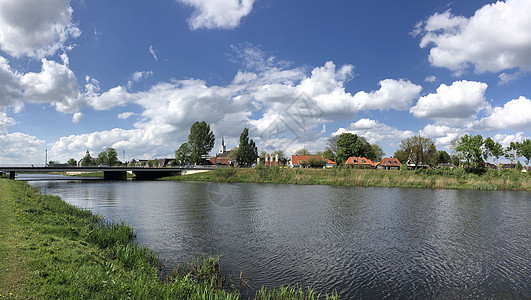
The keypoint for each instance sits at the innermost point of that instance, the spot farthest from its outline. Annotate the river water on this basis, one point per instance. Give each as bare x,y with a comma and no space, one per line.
361,242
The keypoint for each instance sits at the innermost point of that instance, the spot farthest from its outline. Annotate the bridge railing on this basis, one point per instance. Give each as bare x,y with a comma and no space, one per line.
22,165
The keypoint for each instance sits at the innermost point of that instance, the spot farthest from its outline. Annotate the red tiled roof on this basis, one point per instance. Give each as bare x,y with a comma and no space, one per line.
359,161
219,161
390,162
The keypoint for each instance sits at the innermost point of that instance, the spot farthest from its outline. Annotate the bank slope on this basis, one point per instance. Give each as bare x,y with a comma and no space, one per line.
438,179
50,249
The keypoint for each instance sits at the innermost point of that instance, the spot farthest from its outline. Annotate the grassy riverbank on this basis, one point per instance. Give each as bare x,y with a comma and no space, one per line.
439,179
50,249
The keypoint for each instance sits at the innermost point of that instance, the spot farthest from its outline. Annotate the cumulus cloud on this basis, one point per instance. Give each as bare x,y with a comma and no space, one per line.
460,101
393,94
223,14
442,135
77,117
55,84
20,143
375,132
506,139
10,87
5,122
282,106
497,37
514,114
35,28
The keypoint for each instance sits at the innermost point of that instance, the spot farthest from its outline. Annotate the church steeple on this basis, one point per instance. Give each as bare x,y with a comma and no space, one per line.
222,148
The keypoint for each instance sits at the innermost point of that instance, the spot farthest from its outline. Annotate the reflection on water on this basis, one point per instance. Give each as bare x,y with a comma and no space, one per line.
362,242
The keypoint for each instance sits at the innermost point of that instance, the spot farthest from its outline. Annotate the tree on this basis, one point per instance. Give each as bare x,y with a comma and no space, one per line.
280,153
513,151
303,151
493,148
402,156
201,141
328,154
72,162
332,145
52,163
102,158
443,157
247,151
87,160
316,162
525,150
233,153
471,149
182,155
349,144
420,150
378,152
454,159
112,157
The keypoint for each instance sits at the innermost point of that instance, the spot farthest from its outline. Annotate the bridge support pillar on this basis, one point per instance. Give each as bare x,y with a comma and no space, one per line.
114,175
12,175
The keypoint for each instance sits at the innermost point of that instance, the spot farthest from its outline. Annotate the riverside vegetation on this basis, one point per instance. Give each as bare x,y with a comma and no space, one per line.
50,249
456,178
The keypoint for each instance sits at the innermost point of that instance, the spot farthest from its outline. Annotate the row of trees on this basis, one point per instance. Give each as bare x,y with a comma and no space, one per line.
201,141
108,157
475,150
472,151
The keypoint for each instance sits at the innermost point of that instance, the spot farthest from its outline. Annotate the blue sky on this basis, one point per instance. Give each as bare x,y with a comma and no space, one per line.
134,75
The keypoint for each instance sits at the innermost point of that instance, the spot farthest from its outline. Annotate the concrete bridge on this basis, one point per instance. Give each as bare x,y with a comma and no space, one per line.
112,173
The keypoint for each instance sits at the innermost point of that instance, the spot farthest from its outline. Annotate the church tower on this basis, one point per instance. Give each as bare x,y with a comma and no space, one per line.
222,148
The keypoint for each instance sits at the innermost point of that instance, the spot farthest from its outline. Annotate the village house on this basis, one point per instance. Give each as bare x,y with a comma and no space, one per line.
389,163
360,162
297,160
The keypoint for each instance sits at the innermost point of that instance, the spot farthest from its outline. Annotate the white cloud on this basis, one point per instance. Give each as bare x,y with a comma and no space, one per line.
506,139
442,135
77,117
431,78
10,88
5,122
55,84
224,14
125,115
375,132
22,148
460,101
514,114
35,28
497,37
507,77
153,53
141,75
271,95
393,94
116,96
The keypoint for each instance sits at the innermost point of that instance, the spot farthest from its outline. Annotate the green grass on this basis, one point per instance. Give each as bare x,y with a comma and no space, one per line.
441,178
52,250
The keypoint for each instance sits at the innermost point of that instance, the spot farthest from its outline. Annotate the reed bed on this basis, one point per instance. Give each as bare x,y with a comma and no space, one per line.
344,176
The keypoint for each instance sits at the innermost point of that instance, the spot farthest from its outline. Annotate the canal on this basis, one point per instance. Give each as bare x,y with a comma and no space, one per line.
361,242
